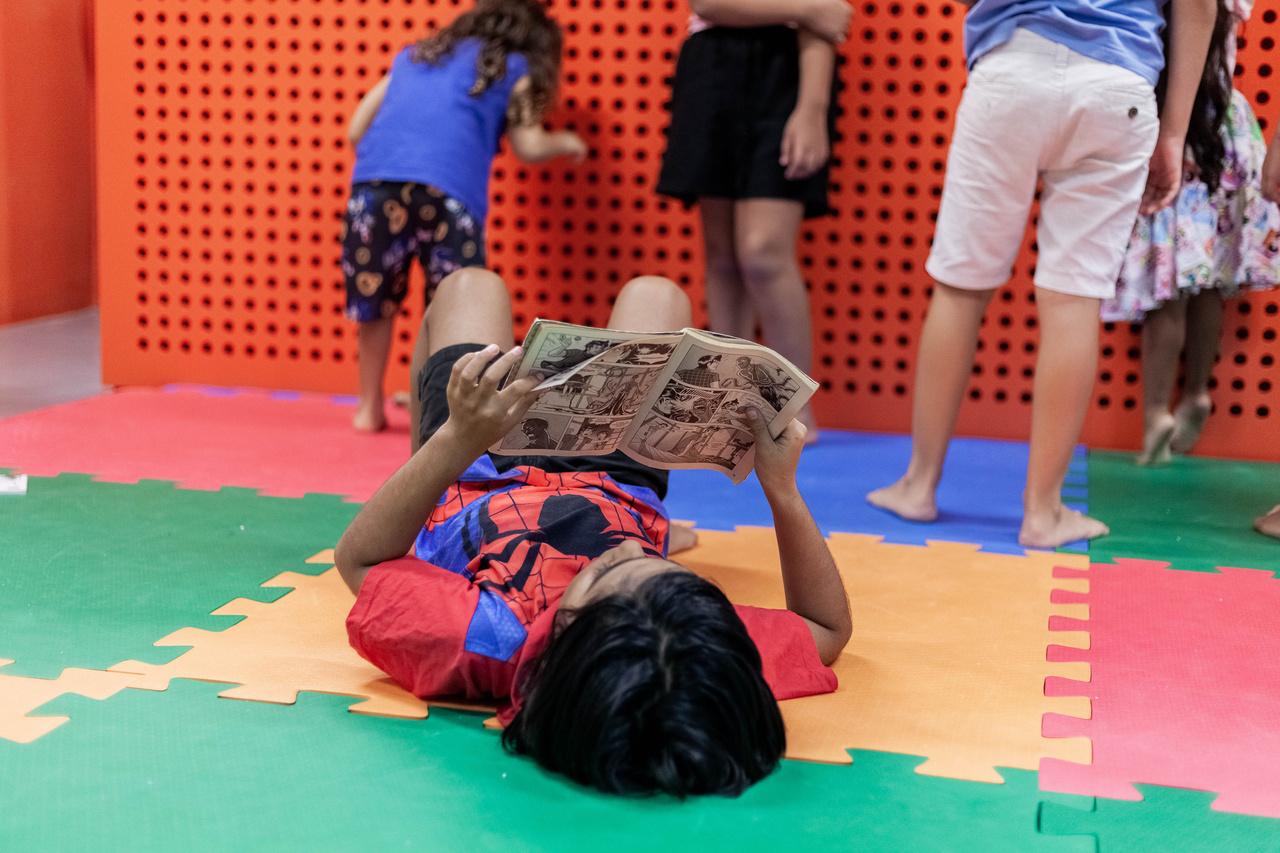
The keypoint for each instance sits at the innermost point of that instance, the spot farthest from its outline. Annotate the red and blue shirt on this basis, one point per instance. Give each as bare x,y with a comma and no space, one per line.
478,597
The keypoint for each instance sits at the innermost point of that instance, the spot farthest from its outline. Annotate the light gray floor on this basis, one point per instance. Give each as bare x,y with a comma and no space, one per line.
48,361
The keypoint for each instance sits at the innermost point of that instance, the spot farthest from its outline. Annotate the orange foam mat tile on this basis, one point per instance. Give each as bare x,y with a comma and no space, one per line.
295,643
948,654
20,696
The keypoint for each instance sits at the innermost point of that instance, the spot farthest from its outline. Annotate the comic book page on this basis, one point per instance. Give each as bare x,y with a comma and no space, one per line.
698,418
594,381
673,400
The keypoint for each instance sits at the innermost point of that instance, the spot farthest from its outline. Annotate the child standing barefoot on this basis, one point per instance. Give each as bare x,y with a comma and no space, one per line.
1060,91
749,141
425,137
1214,242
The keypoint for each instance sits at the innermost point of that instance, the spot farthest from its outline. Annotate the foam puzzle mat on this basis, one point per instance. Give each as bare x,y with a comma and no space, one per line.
207,438
972,665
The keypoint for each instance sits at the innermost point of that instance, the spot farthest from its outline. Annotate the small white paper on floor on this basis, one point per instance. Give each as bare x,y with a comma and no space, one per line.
15,484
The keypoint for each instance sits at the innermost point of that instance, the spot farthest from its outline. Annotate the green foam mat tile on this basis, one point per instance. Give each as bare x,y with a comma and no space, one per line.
95,573
1194,513
185,771
1166,819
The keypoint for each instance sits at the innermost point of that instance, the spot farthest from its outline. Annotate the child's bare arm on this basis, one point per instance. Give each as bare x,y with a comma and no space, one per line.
1271,170
1190,31
829,19
479,414
806,144
367,109
530,141
810,578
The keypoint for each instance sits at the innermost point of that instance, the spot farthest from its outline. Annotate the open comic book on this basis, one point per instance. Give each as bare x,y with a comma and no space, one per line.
670,400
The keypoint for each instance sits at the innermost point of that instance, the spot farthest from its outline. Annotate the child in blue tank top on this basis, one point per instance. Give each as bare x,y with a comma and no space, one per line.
425,136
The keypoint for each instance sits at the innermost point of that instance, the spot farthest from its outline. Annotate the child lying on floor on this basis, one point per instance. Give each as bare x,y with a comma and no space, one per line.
543,581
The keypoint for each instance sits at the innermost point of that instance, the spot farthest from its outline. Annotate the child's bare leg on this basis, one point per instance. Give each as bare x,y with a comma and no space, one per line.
728,307
654,304
1204,335
1065,369
765,234
943,365
373,344
651,303
471,306
1163,331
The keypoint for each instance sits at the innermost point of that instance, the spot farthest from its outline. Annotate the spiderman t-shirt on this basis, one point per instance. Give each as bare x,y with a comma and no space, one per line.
478,596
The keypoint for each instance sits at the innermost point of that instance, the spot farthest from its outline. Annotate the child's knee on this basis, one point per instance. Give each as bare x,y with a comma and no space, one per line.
470,283
762,257
656,292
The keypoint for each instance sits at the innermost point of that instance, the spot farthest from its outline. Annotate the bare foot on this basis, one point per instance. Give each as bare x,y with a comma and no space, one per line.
682,537
1191,417
806,417
1055,529
1269,524
369,418
906,500
1155,440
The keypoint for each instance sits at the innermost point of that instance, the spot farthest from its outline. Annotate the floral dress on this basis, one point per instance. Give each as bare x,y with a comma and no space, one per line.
1227,240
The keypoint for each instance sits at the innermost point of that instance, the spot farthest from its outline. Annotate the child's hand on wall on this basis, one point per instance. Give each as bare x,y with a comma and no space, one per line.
480,413
572,146
805,144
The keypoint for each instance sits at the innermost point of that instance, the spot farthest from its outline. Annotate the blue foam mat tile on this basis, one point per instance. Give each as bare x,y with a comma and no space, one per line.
980,500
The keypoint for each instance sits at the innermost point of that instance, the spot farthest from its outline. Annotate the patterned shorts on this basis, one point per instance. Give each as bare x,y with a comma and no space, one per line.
387,224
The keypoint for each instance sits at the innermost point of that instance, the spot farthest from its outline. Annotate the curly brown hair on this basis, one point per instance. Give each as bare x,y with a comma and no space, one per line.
505,27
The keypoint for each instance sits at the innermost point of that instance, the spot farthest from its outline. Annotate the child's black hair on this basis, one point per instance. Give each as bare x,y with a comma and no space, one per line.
655,691
505,27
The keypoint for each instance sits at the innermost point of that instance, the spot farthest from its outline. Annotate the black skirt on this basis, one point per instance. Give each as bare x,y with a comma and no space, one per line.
733,92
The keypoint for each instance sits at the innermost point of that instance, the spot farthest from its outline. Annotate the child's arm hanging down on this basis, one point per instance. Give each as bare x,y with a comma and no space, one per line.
367,109
1271,169
1190,31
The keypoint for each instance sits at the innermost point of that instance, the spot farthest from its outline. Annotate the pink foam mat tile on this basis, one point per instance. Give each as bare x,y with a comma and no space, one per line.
1184,687
285,444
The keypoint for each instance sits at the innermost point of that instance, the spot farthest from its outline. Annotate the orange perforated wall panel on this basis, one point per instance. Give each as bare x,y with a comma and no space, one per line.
223,172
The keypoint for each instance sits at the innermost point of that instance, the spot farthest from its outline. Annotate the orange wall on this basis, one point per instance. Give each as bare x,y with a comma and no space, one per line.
46,180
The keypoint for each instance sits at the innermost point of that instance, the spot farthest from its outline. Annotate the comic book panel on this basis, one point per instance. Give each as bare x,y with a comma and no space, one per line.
593,435
640,353
600,389
735,408
707,369
667,441
688,404
541,431
559,351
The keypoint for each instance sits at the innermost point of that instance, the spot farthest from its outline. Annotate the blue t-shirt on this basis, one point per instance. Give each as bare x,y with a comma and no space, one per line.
430,130
1121,32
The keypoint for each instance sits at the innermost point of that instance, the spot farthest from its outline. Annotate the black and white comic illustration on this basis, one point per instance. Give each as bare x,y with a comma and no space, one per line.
666,441
688,404
641,354
538,431
707,369
593,435
559,351
600,389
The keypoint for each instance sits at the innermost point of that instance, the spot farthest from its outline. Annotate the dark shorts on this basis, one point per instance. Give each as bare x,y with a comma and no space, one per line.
733,91
387,225
433,385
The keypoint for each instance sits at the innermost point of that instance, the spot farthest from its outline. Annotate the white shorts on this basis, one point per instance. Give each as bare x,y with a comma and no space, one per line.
1034,109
